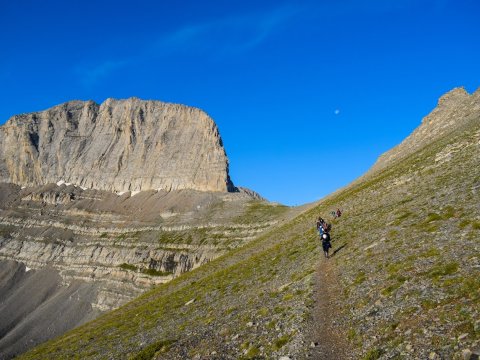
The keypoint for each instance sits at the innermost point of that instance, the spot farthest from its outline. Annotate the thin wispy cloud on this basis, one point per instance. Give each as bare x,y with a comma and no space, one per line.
91,74
378,6
215,38
227,35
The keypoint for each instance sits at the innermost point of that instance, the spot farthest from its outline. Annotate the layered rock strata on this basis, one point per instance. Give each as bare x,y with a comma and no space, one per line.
125,244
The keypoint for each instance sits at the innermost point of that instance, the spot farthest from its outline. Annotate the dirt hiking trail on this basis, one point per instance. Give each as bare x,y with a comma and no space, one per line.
328,335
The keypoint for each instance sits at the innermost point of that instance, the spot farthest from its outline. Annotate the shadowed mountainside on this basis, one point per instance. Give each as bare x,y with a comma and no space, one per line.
29,298
406,256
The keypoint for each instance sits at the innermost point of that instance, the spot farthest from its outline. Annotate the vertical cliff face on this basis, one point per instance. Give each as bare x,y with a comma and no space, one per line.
120,145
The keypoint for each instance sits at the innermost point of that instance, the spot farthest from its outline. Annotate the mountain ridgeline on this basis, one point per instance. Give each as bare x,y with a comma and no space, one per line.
403,277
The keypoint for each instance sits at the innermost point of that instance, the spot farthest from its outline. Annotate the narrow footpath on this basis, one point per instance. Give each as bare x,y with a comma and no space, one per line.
327,334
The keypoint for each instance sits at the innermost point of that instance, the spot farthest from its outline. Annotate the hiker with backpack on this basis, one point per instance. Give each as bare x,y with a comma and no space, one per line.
326,245
323,226
323,230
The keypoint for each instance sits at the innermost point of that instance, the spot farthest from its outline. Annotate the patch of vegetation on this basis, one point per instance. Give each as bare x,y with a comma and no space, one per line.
404,215
373,354
464,223
432,252
130,235
428,304
126,266
154,349
155,272
392,269
469,288
103,235
433,217
392,234
443,270
391,288
252,352
361,277
449,212
281,341
261,211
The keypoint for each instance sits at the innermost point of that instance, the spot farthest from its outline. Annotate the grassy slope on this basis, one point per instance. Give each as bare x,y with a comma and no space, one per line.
410,269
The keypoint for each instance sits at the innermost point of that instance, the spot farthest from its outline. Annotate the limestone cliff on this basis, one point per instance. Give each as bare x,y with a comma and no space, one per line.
120,145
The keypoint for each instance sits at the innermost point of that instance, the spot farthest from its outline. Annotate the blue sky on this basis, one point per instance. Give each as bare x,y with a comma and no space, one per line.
307,94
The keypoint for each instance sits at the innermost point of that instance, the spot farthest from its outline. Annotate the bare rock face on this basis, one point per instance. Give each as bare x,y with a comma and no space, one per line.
120,145
455,108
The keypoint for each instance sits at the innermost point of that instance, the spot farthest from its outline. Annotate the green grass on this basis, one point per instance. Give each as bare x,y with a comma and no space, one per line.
432,252
373,354
281,342
390,289
442,270
155,272
361,277
258,211
403,216
126,266
252,352
464,223
153,350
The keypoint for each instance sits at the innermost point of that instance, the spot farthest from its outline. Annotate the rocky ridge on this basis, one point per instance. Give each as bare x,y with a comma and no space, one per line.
454,109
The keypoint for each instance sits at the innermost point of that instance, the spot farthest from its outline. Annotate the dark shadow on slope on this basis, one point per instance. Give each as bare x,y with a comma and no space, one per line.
339,249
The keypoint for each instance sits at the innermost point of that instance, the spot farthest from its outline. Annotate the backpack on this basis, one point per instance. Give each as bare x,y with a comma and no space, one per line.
320,230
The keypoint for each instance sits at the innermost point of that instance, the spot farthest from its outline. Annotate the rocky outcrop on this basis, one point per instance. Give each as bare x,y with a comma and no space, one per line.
455,108
120,145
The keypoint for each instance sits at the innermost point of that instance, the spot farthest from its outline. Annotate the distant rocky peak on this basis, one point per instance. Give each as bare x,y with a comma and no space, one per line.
453,97
119,145
455,108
